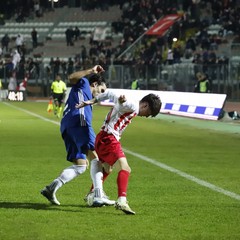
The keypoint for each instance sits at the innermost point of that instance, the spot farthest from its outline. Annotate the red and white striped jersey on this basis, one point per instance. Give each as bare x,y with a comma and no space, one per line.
119,116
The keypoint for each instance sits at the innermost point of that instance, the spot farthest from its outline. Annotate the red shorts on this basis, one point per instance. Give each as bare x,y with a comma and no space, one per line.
109,150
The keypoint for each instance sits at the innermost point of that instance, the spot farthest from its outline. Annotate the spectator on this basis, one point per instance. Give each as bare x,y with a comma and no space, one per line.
203,84
170,57
37,9
19,43
135,85
76,33
23,84
57,64
5,42
12,85
190,46
69,36
70,65
83,53
34,35
15,59
52,65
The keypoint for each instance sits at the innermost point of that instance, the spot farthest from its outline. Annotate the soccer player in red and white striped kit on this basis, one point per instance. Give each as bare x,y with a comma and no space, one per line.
107,144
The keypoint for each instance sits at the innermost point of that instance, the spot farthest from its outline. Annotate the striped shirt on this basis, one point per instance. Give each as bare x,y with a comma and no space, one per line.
120,116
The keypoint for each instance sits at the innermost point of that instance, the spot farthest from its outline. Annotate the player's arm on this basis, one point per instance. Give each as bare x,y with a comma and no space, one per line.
51,91
74,77
101,97
86,103
64,88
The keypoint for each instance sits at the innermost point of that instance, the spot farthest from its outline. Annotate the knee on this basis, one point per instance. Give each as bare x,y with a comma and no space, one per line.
80,169
122,164
107,168
127,168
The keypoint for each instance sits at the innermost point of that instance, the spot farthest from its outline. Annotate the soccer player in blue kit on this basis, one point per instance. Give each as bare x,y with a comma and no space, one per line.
78,134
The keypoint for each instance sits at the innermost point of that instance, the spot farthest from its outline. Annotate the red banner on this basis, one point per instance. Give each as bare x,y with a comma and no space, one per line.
161,26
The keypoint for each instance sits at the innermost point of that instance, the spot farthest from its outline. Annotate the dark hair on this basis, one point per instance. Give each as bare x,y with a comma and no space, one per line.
154,103
95,78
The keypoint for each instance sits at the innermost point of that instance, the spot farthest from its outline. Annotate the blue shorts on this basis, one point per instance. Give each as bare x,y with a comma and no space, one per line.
78,141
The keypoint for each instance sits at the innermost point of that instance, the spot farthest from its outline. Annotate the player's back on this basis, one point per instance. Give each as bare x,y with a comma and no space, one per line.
119,118
73,117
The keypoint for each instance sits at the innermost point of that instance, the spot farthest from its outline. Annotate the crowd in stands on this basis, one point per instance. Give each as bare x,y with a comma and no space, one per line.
22,10
140,15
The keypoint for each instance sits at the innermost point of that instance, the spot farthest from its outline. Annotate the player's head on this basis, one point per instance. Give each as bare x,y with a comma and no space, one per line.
95,79
200,76
58,77
149,105
97,84
101,88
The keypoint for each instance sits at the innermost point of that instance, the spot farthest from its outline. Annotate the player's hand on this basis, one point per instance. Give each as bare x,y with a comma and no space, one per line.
83,104
122,99
98,69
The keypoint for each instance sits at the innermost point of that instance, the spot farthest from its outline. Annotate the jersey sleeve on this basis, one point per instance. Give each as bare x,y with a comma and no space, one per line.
52,86
131,106
64,86
128,106
80,84
107,95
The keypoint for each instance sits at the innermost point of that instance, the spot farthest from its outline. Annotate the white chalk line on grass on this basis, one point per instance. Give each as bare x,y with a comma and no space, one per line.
33,114
154,162
185,175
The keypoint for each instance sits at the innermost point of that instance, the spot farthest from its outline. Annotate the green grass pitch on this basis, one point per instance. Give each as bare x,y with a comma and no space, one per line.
185,180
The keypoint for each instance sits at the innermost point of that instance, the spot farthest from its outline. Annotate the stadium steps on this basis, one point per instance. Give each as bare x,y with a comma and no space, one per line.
52,25
72,17
58,48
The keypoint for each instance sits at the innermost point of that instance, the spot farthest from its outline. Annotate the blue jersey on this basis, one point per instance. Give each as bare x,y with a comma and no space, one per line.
73,117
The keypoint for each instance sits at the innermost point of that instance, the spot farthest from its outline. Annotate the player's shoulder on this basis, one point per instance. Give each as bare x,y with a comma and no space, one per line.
83,83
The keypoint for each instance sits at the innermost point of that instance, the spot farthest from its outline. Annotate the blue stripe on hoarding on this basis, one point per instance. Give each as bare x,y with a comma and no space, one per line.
169,106
200,110
183,108
216,112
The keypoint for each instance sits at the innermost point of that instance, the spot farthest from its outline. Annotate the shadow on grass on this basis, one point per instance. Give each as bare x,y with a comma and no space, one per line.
63,208
40,206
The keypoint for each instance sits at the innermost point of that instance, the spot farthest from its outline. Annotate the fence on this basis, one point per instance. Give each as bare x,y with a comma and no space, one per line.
225,78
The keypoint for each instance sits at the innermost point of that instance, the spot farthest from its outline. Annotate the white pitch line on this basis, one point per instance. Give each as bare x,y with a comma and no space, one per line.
185,175
154,162
33,114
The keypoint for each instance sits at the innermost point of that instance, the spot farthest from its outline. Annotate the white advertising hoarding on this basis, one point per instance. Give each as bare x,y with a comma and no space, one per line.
197,105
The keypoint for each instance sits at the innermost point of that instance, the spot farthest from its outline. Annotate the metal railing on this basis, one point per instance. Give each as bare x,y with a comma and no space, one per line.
225,78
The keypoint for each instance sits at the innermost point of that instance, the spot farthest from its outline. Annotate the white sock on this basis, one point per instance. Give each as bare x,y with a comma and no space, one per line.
122,199
97,176
71,172
67,175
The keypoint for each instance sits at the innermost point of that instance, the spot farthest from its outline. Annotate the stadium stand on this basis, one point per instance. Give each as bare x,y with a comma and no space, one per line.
121,24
